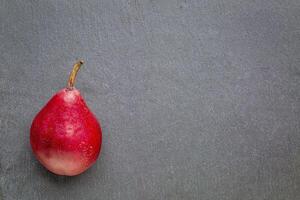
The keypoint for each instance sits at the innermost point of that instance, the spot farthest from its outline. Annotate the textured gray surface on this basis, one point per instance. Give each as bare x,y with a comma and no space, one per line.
197,99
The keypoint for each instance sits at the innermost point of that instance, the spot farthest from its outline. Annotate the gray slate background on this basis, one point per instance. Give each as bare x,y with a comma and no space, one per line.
198,99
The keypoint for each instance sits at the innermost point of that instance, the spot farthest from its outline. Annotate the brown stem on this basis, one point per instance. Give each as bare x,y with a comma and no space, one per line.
73,74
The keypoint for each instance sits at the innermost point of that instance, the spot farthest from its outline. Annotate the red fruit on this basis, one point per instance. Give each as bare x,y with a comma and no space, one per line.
65,136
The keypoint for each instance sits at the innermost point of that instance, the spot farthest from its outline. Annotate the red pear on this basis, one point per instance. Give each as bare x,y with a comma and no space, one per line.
65,135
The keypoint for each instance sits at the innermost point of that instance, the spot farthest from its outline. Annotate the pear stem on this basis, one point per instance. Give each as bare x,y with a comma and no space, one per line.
73,74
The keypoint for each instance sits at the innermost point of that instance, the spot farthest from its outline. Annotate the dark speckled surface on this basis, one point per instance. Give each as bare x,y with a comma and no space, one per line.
198,99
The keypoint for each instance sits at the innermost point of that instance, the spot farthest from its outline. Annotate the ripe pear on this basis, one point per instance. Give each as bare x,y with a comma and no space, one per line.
65,135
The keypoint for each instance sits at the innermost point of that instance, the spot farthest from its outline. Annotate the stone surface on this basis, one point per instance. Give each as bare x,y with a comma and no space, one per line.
198,99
